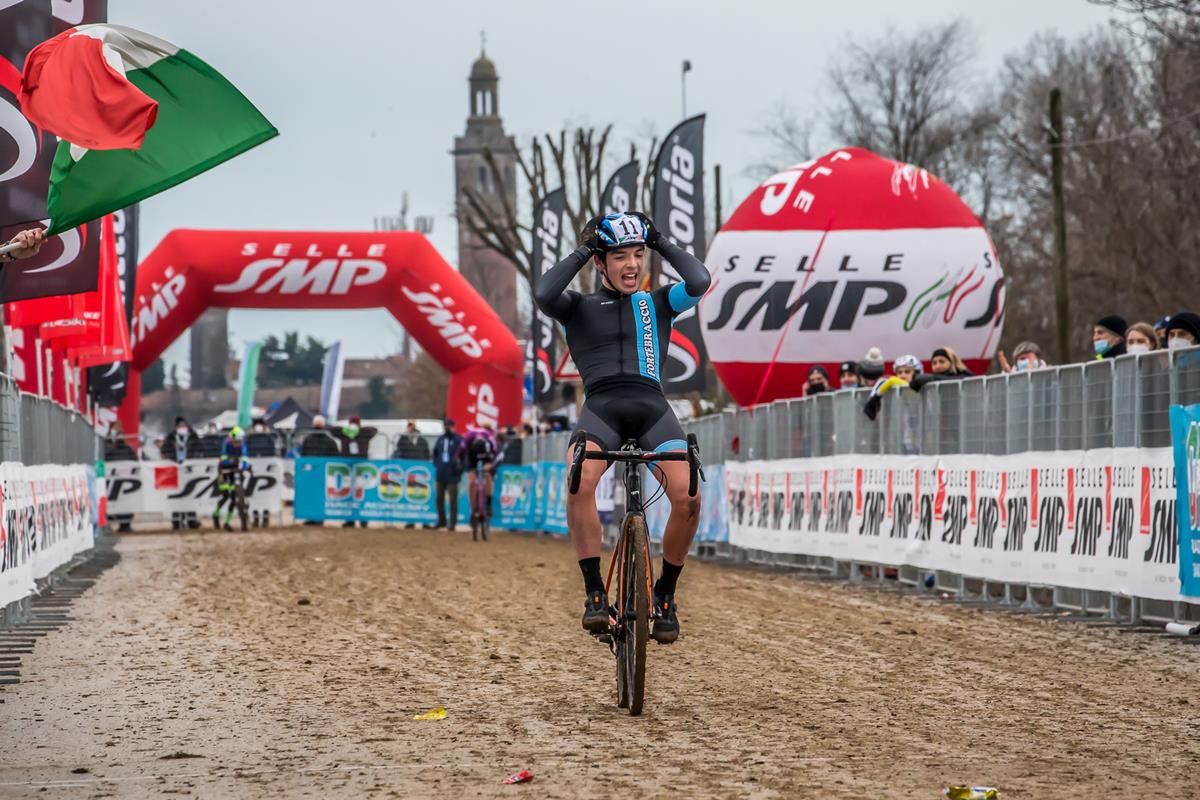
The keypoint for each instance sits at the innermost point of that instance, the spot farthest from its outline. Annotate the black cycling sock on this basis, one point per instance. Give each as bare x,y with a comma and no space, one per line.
592,580
665,584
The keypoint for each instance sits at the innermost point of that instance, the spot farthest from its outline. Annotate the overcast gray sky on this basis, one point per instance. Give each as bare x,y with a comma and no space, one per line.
368,96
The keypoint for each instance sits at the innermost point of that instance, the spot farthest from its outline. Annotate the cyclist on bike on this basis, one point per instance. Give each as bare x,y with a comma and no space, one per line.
479,446
618,337
233,464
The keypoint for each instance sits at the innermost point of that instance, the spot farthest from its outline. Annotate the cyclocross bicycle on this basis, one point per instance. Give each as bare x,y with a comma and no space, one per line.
629,618
481,521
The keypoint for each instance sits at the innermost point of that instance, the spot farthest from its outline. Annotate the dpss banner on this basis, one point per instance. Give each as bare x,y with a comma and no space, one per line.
165,488
527,497
46,520
1098,519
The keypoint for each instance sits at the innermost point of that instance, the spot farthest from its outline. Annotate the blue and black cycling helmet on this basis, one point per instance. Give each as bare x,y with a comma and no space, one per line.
614,231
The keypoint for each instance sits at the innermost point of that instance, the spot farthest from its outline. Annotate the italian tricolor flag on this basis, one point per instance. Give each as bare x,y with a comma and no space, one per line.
136,115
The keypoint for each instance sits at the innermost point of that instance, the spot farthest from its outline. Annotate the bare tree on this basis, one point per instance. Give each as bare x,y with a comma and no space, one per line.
903,96
788,138
575,161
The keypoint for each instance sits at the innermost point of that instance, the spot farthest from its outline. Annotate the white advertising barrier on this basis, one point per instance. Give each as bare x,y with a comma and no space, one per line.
163,488
1097,519
45,519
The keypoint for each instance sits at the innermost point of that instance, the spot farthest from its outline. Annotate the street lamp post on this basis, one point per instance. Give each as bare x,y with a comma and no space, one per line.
684,70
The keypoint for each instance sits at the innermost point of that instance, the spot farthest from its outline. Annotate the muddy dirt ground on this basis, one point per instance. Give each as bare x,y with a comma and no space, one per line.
290,663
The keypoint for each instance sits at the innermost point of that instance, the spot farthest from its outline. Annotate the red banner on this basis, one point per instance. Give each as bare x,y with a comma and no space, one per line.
190,271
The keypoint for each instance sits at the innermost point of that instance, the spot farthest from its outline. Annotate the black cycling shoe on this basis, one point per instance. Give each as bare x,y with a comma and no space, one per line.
595,613
666,623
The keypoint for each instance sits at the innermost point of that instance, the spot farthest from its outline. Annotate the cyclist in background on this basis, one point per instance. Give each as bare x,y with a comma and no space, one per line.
479,446
231,468
618,337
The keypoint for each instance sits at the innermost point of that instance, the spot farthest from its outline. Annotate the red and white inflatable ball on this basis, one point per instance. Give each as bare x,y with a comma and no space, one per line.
829,258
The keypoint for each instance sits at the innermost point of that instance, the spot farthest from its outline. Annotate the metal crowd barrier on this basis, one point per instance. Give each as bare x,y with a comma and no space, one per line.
35,430
1123,402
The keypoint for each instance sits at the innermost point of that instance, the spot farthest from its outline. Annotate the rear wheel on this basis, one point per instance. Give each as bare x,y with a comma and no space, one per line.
243,511
634,611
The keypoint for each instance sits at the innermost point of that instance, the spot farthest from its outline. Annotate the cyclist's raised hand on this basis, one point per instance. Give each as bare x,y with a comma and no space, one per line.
651,233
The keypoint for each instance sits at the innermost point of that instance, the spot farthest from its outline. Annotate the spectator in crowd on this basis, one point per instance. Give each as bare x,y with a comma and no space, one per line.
945,363
354,440
1108,336
848,377
871,366
261,441
526,430
1160,330
1183,330
210,442
1141,338
319,443
410,444
817,381
905,369
447,474
116,446
31,242
1026,356
177,445
512,452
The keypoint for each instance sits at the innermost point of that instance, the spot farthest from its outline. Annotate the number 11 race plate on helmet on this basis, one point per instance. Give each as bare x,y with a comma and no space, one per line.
621,230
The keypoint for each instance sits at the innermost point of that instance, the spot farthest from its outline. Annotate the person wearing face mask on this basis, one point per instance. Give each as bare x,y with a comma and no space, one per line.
1026,356
1108,336
1160,331
818,381
1140,338
354,439
848,376
1183,330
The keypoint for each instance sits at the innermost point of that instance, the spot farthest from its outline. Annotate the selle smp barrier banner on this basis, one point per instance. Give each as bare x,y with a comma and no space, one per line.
832,256
191,270
166,488
1097,519
678,212
1185,434
45,520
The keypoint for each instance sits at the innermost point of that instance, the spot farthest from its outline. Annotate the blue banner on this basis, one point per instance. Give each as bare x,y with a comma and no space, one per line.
359,490
1185,434
551,496
714,507
515,498
402,491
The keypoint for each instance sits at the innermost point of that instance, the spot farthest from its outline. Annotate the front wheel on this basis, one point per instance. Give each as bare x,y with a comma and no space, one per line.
243,511
634,611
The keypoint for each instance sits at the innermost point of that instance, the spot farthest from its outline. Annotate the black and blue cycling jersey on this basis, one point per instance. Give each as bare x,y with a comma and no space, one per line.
619,342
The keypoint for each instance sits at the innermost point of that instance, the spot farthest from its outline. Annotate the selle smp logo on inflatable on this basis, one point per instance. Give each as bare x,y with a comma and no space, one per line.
833,256
164,300
438,312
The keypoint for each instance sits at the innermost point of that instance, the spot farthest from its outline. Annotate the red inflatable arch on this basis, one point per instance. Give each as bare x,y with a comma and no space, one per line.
193,270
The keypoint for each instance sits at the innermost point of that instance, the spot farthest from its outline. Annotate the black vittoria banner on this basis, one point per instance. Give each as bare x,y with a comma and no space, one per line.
678,212
547,241
69,263
620,193
107,383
